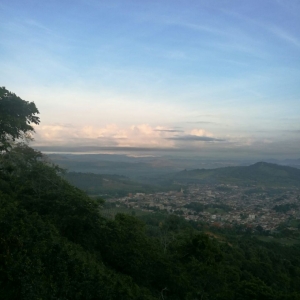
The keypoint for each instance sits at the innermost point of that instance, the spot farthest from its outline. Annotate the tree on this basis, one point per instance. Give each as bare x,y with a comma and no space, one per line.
16,117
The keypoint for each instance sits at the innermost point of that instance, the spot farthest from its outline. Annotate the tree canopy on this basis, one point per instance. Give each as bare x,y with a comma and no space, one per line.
16,118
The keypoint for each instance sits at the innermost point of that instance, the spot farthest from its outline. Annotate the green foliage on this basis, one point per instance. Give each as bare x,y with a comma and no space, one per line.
37,263
112,185
197,207
16,117
55,244
51,236
285,207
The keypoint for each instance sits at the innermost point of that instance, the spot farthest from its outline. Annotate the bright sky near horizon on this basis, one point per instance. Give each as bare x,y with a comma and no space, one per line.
212,76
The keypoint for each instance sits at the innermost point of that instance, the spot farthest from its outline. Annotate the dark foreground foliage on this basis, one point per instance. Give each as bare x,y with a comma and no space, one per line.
16,117
54,244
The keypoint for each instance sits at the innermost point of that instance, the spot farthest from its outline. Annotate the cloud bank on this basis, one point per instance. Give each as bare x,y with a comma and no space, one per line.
113,138
140,135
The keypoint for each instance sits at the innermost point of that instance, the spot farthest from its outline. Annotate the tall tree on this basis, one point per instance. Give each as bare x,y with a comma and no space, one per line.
16,118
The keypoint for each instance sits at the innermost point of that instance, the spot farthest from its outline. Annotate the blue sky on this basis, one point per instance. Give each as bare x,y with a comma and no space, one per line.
213,76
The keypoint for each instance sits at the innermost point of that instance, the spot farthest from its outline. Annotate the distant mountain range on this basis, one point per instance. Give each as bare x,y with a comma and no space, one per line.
261,173
143,169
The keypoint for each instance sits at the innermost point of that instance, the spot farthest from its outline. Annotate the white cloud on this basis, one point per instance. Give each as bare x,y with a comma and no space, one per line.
140,135
284,35
201,132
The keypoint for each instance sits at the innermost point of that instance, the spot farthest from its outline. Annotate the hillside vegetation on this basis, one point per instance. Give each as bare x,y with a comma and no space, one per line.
55,244
113,185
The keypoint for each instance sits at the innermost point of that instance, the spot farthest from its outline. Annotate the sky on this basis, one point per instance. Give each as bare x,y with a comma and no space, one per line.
213,78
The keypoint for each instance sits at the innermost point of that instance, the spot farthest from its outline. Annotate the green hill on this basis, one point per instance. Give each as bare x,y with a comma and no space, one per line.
112,185
261,173
55,244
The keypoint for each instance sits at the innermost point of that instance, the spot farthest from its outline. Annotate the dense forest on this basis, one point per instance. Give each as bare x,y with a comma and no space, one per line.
55,243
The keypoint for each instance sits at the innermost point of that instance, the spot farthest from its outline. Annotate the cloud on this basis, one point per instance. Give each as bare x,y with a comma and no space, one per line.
275,30
140,135
292,130
202,122
197,27
284,35
190,137
201,132
196,135
66,125
144,138
112,149
168,130
67,136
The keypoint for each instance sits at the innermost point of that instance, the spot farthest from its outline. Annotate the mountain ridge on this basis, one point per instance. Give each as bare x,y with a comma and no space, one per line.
261,173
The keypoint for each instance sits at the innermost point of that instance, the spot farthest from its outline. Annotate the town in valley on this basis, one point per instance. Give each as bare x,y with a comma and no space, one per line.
222,205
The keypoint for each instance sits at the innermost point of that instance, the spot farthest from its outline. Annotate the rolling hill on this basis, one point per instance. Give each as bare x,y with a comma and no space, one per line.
261,173
113,185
